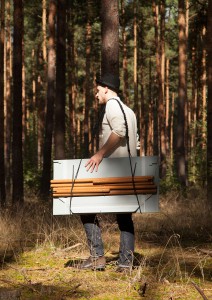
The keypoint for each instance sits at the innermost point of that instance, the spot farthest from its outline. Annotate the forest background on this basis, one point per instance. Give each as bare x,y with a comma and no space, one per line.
50,54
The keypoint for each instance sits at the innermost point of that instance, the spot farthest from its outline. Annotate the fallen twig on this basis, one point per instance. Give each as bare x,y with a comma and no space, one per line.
199,290
71,247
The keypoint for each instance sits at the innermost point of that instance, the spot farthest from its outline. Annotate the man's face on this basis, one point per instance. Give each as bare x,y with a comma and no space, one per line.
101,94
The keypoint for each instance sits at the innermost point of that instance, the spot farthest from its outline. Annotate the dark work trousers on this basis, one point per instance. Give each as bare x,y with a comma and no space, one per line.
127,239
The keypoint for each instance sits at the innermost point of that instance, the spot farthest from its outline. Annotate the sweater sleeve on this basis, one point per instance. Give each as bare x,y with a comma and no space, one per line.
115,118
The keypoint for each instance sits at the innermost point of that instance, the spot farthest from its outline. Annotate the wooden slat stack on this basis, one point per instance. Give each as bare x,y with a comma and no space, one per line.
103,186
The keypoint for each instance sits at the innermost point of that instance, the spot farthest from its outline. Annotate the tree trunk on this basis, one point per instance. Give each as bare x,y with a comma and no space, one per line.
47,151
8,143
17,156
44,30
40,119
150,115
72,91
209,107
162,43
60,81
172,128
167,108
135,65
161,115
110,37
204,87
142,112
24,119
125,62
88,82
2,158
193,97
186,131
182,95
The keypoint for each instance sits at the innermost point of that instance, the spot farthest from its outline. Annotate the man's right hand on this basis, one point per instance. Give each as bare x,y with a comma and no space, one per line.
94,162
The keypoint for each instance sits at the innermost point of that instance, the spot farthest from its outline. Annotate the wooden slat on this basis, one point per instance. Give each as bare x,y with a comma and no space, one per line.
89,185
82,190
103,186
70,184
122,179
112,193
104,180
106,186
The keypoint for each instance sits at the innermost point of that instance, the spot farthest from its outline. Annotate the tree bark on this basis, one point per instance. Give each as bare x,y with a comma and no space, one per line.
150,114
60,81
135,65
17,156
167,108
8,143
2,157
88,82
162,43
47,151
204,87
125,61
72,90
110,37
209,107
161,114
182,96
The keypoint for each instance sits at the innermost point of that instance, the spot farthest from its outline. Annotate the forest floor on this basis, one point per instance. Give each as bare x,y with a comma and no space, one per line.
173,256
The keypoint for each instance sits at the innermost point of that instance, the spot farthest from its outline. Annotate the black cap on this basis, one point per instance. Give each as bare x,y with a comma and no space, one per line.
109,80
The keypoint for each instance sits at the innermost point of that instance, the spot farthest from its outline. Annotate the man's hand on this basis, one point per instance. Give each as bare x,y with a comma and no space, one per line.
94,162
110,145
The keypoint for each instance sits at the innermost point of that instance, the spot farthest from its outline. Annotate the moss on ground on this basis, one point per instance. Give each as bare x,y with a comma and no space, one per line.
40,274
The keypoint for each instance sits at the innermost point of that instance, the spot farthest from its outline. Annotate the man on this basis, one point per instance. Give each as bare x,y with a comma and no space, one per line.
113,143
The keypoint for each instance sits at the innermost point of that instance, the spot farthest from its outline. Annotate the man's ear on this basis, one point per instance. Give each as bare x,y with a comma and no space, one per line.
106,90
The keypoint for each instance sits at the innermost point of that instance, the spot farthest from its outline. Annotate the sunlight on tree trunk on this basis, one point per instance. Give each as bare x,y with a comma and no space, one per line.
180,151
161,111
47,151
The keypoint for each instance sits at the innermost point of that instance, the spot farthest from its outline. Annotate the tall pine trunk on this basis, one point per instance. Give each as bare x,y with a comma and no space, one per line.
8,143
204,87
161,113
60,81
125,61
182,96
17,157
2,158
110,37
209,107
135,57
88,79
47,151
150,114
167,106
72,91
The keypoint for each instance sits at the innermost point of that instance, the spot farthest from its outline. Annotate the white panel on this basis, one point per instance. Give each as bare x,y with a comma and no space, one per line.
110,167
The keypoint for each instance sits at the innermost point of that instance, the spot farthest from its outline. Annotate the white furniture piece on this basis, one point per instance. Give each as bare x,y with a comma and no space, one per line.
109,167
